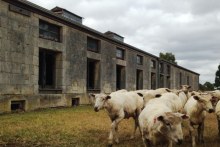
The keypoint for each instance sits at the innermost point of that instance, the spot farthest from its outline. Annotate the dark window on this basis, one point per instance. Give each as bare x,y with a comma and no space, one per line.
168,69
153,80
19,10
139,59
120,53
168,81
18,105
161,67
161,81
139,79
49,31
93,74
188,80
120,77
46,69
180,79
153,64
92,44
75,102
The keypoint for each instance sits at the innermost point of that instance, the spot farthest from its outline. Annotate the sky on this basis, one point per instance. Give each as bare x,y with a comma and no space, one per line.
190,29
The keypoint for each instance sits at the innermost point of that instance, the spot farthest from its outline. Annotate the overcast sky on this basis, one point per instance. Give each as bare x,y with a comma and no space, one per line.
190,29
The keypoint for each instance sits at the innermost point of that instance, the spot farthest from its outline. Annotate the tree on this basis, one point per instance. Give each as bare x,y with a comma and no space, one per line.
168,57
207,86
201,87
217,78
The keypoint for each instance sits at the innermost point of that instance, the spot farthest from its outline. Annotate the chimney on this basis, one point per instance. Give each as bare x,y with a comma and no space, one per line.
67,14
114,36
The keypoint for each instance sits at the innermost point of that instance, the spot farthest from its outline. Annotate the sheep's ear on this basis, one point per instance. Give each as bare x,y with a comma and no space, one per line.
189,87
160,118
140,94
91,95
168,90
196,97
108,97
192,94
158,95
184,116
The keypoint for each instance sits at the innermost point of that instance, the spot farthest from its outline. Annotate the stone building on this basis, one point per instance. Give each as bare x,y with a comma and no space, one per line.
48,58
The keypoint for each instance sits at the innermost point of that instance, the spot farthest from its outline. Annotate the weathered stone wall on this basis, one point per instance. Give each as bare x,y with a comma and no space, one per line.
108,67
17,54
19,63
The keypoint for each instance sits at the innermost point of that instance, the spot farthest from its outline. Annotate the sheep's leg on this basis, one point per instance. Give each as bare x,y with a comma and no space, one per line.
201,132
218,126
145,139
193,135
113,133
170,143
135,127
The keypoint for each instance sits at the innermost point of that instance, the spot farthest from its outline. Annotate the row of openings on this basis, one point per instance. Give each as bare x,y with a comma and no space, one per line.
93,76
48,68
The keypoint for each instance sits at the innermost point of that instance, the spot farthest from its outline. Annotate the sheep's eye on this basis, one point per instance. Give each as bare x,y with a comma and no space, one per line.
168,124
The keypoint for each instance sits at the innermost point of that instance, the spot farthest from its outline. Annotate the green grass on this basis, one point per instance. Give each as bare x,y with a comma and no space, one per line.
76,127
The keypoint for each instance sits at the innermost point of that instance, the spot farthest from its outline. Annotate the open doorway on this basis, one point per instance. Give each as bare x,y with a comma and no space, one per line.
93,74
153,80
139,79
120,77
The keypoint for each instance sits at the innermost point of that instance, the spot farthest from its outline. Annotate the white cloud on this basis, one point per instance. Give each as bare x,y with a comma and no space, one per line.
189,29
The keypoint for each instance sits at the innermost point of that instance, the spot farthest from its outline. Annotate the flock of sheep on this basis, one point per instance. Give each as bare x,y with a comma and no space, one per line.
159,113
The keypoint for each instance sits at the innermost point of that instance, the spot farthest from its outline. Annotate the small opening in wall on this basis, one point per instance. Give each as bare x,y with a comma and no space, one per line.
18,105
75,102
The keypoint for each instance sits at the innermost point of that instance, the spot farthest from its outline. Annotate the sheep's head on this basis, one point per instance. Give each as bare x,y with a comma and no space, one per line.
171,125
100,100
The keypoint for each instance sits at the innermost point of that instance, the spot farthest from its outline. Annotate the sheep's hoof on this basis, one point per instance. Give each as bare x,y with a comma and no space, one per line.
109,145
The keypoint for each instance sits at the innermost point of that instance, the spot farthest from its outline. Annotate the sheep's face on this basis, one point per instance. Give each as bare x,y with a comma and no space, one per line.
185,88
171,126
204,102
100,100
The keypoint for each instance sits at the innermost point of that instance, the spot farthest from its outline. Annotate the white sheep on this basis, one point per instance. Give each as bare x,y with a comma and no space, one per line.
119,105
159,124
196,108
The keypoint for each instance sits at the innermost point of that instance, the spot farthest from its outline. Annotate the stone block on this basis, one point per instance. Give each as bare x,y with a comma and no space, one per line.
27,89
6,67
35,60
6,45
16,68
36,70
4,22
4,78
3,8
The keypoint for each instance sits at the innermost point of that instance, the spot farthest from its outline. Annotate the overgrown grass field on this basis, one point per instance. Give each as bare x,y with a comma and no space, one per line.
78,127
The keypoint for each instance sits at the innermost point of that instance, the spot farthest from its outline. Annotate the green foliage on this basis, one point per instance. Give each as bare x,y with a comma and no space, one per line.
168,57
207,86
201,87
217,78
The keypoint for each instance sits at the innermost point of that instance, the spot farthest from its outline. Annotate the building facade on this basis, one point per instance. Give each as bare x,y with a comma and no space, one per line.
48,58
